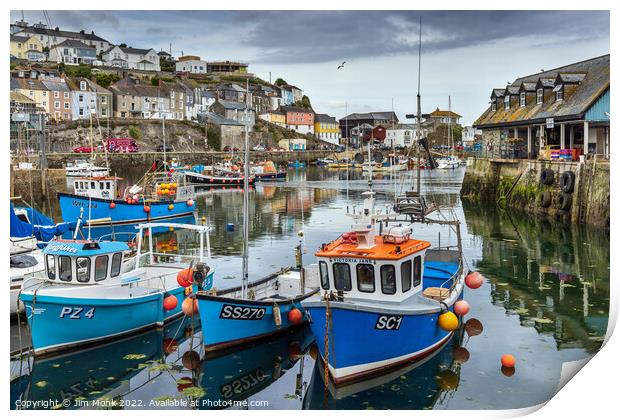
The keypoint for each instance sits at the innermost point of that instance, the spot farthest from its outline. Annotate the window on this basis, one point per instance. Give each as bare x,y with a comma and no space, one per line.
103,99
559,95
66,105
417,271
81,112
117,259
66,95
82,85
324,275
56,94
522,99
64,268
80,98
342,276
51,266
507,102
56,104
539,96
83,269
365,278
388,279
101,267
405,275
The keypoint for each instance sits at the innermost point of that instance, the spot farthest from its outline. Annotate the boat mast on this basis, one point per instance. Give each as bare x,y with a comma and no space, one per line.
163,130
419,113
246,183
450,125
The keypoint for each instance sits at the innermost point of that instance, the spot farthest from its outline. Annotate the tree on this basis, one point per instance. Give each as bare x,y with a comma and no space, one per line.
305,102
122,45
105,80
280,82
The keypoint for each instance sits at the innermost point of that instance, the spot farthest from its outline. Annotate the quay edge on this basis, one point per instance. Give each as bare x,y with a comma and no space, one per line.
515,184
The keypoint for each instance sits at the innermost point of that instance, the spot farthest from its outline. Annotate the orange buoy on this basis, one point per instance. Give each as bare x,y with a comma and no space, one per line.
295,316
473,327
191,360
184,277
112,205
460,354
508,361
171,206
448,321
461,307
190,202
474,280
147,209
170,345
190,306
170,302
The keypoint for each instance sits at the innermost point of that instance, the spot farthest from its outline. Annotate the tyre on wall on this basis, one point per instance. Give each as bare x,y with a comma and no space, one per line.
567,182
545,199
546,176
564,201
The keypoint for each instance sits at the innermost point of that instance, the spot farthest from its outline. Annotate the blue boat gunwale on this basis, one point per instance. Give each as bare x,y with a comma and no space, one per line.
119,200
240,301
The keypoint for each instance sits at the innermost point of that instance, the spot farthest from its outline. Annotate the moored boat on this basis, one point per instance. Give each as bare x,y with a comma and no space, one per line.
199,179
84,167
93,291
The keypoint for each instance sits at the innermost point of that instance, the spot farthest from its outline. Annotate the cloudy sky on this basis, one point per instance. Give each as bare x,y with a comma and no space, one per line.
464,53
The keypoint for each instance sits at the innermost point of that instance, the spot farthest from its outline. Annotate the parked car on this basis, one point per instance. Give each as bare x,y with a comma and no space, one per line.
117,145
87,149
160,148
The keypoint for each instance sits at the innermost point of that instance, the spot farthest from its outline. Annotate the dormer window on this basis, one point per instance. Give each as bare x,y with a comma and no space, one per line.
522,99
493,106
507,102
559,95
539,96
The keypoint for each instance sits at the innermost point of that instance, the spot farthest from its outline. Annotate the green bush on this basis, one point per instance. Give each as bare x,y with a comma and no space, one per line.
134,132
213,138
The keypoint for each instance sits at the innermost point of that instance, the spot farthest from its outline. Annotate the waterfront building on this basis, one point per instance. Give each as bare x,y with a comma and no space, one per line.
60,108
191,64
234,111
349,122
401,135
228,67
229,92
50,37
275,117
231,132
295,93
131,58
286,94
439,117
293,144
563,108
73,53
299,119
326,128
471,136
27,47
33,89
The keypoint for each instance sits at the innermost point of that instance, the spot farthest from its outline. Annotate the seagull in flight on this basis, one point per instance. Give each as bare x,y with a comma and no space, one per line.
341,66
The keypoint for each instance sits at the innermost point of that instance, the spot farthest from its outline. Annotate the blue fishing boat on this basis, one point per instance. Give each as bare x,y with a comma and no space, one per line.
93,290
104,206
392,287
297,164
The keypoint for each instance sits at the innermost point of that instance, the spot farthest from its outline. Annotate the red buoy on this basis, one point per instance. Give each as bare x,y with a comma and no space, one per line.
170,303
473,327
184,277
191,360
190,306
508,361
112,204
295,316
474,280
147,209
190,202
461,307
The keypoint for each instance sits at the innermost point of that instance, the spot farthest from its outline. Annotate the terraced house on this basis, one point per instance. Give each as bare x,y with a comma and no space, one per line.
88,98
50,37
326,128
131,58
566,108
73,52
27,47
299,119
136,99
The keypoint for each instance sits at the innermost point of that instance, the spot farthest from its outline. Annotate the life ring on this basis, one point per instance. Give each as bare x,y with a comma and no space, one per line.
545,199
564,201
567,182
546,176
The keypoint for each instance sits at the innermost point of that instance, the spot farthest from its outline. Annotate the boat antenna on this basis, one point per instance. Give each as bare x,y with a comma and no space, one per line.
419,113
89,213
246,205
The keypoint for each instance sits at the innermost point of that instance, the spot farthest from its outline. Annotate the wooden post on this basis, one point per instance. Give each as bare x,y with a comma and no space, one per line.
586,137
562,140
529,142
571,136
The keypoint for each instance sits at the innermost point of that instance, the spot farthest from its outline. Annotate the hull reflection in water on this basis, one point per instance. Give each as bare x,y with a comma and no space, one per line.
415,386
235,376
103,372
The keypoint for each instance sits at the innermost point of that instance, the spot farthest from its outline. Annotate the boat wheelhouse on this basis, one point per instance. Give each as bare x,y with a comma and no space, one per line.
99,290
85,167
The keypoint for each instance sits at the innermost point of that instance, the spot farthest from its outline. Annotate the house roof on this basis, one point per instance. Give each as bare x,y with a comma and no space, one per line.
232,105
56,85
296,109
403,127
73,44
129,50
512,90
440,113
94,87
388,115
546,82
19,38
28,84
20,98
527,87
219,120
574,105
497,93
65,34
570,77
129,86
324,118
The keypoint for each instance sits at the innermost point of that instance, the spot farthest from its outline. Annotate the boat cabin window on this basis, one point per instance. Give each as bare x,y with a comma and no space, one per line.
101,267
365,278
51,267
107,185
405,275
83,269
117,259
64,268
342,277
324,275
388,279
92,185
417,271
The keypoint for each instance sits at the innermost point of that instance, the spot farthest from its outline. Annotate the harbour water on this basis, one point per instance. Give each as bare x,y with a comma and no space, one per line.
545,300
